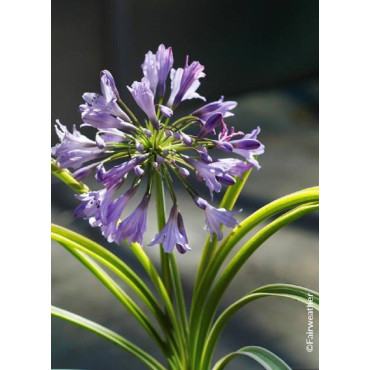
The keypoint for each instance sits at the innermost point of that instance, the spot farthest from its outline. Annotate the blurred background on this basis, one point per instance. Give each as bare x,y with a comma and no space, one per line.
263,54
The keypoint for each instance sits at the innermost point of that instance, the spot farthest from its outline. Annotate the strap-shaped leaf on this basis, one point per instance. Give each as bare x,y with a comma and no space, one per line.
263,356
203,282
294,292
112,262
203,318
120,341
115,289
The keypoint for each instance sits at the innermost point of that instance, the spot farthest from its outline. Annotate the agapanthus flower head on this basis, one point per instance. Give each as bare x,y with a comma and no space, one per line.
133,150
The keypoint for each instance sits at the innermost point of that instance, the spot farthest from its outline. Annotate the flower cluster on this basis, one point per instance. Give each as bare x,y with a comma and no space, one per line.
157,145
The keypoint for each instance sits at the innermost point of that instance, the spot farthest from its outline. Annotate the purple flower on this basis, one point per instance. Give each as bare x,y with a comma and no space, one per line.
164,64
90,206
167,112
116,174
208,110
156,68
134,226
207,173
108,86
215,217
150,70
209,127
111,213
249,153
144,98
185,82
219,171
173,233
102,111
74,149
105,121
231,166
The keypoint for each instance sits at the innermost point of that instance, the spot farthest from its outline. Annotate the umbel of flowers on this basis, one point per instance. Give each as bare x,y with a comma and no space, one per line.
128,150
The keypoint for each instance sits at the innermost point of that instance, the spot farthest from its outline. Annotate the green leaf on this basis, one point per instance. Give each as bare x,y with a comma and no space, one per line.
280,205
294,292
263,356
120,341
115,289
204,316
112,262
65,176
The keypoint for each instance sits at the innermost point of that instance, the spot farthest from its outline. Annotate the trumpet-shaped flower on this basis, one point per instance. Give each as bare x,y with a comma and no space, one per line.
144,98
215,217
134,226
173,234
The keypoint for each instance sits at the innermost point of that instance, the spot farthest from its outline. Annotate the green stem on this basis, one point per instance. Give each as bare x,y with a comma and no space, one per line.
110,335
128,111
158,283
170,264
161,220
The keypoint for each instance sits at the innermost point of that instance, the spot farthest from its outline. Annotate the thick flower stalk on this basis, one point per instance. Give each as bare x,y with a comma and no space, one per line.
130,150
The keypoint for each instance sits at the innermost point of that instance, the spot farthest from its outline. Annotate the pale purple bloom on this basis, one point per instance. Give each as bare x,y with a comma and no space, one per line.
102,111
249,154
156,68
209,127
167,112
183,172
186,139
203,153
231,166
185,82
105,121
150,70
139,147
138,171
219,171
134,226
116,174
111,213
207,173
108,86
90,206
165,62
74,149
208,110
173,233
144,98
215,217
84,171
